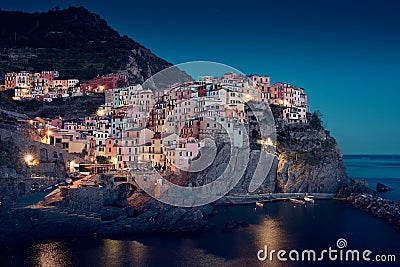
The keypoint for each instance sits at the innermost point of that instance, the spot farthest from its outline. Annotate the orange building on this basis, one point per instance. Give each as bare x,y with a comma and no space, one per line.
59,83
111,148
10,80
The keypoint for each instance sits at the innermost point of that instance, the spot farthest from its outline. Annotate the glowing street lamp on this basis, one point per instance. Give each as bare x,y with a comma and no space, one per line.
100,113
48,136
269,142
29,159
72,166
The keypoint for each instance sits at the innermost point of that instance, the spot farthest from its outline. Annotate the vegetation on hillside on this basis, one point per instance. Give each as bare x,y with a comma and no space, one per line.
68,108
73,41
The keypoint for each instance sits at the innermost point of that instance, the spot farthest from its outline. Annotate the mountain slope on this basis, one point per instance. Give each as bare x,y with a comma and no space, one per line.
73,41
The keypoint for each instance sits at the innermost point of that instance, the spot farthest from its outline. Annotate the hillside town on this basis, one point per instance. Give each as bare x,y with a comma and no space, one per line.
47,86
140,127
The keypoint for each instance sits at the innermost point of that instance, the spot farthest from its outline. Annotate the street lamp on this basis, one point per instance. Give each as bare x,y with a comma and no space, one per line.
29,159
100,113
72,166
48,136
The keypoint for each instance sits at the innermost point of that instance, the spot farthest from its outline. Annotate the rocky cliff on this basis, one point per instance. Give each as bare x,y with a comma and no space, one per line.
307,159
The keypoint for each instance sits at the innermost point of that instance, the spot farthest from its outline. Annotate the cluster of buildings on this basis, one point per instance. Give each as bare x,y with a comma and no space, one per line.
167,128
46,85
105,82
43,85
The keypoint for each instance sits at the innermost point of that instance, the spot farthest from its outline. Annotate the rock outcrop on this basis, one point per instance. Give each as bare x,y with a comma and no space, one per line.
380,188
95,212
307,159
144,214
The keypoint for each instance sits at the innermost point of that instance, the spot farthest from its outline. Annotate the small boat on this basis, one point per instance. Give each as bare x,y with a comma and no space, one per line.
309,199
259,204
297,201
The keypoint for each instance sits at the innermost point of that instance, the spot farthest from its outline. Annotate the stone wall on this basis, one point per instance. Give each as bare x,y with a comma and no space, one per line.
47,159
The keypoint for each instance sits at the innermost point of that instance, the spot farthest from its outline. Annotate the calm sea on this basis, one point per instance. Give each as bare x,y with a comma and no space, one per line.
376,168
279,225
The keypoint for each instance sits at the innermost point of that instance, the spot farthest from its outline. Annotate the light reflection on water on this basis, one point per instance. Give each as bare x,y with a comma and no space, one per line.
50,255
112,251
270,233
279,225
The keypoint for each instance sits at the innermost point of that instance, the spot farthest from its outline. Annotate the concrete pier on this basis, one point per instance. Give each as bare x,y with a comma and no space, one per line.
248,199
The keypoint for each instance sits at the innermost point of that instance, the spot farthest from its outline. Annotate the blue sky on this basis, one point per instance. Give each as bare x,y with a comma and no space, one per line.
344,53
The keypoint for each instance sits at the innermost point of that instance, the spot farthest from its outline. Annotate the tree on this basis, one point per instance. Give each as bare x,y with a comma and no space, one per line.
315,121
255,134
121,83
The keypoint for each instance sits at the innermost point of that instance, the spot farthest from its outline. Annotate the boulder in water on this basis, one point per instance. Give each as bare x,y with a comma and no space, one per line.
382,188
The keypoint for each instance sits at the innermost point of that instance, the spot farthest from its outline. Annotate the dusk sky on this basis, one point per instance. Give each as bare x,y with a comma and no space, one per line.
346,54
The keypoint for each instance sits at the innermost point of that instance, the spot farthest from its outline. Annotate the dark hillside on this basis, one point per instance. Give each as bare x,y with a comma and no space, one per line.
73,41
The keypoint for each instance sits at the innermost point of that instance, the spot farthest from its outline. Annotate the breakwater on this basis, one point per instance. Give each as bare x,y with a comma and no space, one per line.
248,199
377,206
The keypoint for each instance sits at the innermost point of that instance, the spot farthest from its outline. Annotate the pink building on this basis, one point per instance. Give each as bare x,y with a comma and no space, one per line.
180,155
262,80
57,123
230,75
49,75
182,93
105,82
